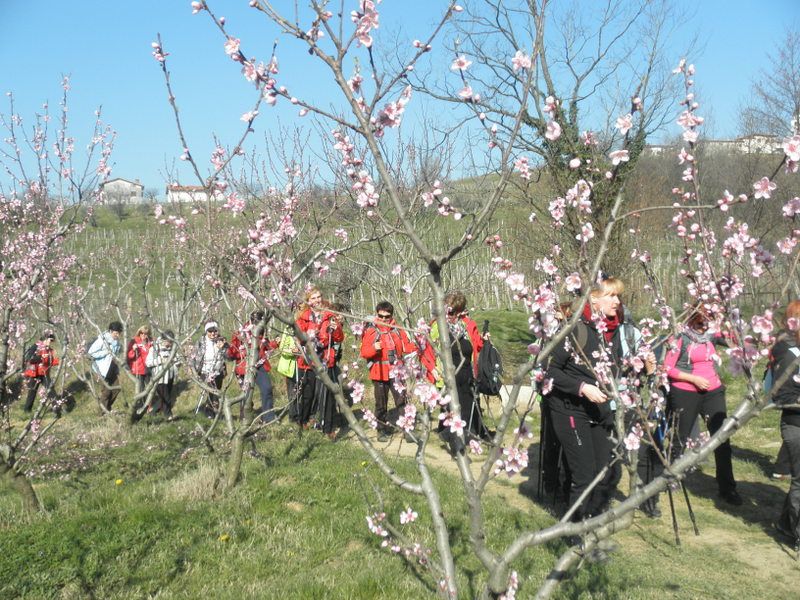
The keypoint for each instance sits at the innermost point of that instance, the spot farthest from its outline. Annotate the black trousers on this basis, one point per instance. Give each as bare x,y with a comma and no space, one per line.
790,516
163,399
108,395
33,388
382,391
588,449
550,448
307,393
211,405
711,405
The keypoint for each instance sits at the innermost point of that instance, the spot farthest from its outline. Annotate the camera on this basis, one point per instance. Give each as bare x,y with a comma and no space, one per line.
392,356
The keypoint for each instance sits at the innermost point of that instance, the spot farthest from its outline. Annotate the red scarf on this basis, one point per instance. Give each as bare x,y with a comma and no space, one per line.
611,322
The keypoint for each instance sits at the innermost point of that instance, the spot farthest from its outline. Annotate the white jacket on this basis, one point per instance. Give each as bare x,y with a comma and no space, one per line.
102,352
157,358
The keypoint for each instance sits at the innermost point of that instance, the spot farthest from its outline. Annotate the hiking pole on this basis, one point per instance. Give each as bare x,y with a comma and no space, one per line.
200,401
558,473
674,518
689,506
540,483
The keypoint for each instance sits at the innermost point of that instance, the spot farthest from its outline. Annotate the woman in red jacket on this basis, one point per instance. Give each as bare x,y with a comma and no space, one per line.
384,345
239,351
138,348
39,359
324,331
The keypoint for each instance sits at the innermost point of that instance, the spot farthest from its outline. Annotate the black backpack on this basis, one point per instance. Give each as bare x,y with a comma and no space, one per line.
490,368
30,356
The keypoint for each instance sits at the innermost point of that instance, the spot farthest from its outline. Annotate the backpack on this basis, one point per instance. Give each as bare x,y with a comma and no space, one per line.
490,368
769,372
30,355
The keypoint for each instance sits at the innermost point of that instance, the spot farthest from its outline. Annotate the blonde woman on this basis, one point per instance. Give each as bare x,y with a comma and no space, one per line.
580,409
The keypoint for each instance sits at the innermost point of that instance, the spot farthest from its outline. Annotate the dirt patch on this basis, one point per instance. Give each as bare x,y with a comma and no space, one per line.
295,506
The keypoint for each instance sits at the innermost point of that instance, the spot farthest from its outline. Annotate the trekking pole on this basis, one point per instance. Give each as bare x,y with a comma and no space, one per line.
558,473
674,518
200,401
540,482
689,506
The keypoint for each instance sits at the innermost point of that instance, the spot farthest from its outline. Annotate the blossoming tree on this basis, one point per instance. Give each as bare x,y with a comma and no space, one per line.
286,247
50,185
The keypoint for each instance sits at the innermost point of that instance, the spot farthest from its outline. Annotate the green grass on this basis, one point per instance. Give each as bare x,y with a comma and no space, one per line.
295,525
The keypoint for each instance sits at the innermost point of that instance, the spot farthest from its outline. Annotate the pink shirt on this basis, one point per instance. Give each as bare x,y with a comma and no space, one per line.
703,359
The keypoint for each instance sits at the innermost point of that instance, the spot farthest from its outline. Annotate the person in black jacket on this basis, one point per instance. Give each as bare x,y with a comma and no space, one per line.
785,356
583,418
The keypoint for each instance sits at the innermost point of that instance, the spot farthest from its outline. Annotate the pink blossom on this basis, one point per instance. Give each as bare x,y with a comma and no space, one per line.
475,447
634,438
586,233
574,163
618,156
521,164
624,123
197,7
762,325
763,188
232,47
521,60
461,63
573,282
553,131
466,93
792,207
786,245
514,460
791,146
396,270
409,418
248,116
455,423
408,516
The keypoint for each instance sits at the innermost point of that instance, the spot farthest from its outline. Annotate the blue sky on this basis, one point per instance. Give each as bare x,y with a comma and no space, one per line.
105,46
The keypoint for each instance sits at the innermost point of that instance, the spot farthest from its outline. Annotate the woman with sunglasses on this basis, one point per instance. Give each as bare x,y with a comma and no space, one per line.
696,389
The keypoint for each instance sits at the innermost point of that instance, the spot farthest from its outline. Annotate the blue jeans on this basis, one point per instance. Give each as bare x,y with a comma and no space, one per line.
264,383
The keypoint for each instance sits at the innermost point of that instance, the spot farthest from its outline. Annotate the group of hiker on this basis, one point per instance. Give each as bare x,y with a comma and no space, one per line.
579,440
579,412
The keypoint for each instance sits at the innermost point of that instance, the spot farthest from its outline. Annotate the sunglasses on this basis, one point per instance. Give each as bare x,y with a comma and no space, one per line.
213,330
384,316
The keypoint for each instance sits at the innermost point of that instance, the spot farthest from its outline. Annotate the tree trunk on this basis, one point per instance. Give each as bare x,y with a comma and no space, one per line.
235,460
21,484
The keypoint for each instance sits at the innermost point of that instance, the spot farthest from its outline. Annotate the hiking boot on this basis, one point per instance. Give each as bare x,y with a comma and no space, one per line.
732,497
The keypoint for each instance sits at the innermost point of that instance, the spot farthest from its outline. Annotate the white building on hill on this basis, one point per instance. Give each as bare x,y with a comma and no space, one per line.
186,193
123,191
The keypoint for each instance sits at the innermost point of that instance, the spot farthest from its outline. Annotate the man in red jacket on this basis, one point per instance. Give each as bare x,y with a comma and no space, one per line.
384,345
39,359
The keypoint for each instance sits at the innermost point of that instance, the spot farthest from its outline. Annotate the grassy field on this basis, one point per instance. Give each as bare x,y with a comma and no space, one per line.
137,512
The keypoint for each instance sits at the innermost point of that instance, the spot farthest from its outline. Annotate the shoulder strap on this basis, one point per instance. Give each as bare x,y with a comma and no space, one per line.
580,334
684,363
